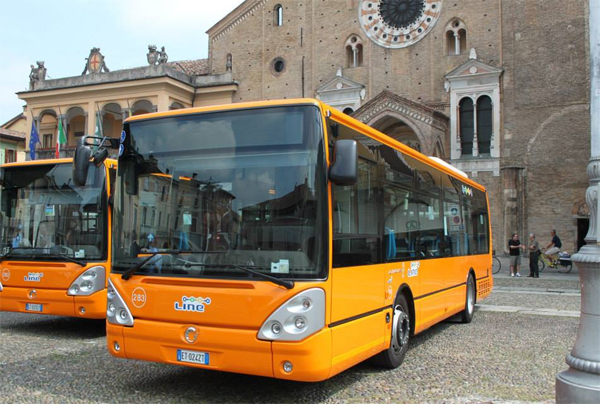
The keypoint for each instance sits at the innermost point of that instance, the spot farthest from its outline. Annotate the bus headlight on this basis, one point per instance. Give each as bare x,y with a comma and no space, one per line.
296,319
117,311
90,281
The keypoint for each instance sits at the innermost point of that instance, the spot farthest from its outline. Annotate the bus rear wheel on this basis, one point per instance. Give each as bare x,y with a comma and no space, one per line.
392,357
467,314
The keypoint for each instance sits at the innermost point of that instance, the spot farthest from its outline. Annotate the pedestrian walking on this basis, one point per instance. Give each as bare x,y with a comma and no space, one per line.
514,249
534,254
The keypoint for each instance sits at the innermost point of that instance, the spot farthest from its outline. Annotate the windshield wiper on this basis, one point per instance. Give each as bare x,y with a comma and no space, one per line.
127,274
34,254
281,282
9,253
66,257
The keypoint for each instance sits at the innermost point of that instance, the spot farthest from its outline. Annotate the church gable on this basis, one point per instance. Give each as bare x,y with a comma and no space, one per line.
471,68
342,93
339,83
234,18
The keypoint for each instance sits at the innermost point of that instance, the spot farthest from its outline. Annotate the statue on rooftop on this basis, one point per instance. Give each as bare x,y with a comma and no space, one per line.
163,57
37,74
152,55
95,63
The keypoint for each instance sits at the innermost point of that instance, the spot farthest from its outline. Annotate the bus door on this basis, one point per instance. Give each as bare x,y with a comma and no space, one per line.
358,290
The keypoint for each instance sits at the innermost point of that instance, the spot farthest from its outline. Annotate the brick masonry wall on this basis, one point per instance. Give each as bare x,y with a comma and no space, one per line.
540,44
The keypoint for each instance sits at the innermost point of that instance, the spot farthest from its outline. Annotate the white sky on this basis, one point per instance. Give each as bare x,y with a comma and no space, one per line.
62,32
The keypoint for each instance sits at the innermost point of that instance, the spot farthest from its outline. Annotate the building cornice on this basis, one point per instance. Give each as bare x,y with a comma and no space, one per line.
232,19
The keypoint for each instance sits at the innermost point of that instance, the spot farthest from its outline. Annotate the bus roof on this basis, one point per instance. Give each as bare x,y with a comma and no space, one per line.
226,107
66,160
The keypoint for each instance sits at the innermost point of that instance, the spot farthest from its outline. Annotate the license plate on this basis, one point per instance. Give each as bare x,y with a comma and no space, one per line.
200,358
33,307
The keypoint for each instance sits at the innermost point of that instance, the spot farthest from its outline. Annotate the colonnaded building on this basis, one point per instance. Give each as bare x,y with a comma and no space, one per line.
499,88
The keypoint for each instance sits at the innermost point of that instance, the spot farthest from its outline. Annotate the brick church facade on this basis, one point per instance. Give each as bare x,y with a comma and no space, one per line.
498,88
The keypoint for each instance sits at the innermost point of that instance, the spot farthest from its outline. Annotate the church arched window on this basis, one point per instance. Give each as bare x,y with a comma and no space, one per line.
456,37
354,51
467,129
278,15
484,124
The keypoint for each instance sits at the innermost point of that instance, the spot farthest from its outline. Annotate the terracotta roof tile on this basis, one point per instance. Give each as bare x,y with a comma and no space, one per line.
192,67
12,133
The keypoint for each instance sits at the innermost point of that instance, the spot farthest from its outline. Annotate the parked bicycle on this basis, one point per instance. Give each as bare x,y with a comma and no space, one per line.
558,262
496,264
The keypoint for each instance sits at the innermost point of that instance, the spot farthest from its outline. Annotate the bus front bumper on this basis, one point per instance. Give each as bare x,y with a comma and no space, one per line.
229,350
52,302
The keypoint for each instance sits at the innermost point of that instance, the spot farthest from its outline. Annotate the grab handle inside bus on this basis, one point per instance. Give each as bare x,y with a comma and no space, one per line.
344,169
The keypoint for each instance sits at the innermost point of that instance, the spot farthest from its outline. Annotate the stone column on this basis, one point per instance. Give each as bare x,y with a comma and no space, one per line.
512,203
475,134
581,382
456,43
91,122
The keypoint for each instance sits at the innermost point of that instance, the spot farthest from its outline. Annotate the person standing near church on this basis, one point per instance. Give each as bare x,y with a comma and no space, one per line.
534,253
514,249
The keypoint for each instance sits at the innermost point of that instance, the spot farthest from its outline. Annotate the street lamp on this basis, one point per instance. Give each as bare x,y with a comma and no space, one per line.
581,382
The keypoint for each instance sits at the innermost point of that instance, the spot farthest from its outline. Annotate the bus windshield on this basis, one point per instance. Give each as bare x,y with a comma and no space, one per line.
209,193
45,216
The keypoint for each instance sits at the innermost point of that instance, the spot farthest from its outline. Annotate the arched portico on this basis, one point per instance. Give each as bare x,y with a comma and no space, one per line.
142,107
111,117
395,126
76,120
412,123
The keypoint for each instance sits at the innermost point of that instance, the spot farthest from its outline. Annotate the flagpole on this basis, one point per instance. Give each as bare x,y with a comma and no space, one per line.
99,130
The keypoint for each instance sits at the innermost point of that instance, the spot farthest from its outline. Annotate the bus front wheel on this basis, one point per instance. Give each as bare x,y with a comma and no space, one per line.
467,314
392,357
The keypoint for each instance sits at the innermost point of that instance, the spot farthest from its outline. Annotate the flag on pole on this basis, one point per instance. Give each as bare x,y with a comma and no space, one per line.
98,132
61,138
33,139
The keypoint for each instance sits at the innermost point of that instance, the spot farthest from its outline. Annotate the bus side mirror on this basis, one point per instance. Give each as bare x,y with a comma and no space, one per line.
81,163
344,170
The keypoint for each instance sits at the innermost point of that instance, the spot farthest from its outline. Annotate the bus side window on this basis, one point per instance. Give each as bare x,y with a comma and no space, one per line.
356,238
400,224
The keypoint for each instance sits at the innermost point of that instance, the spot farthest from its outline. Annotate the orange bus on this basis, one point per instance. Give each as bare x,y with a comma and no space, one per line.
286,239
55,238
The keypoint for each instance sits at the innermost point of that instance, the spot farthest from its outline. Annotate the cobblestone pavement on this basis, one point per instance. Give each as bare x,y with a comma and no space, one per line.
500,357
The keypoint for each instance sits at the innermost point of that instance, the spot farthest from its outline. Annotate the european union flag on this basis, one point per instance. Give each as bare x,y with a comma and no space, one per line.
33,139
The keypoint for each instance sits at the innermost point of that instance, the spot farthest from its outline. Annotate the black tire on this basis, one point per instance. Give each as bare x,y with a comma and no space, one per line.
392,357
569,267
541,265
496,265
467,313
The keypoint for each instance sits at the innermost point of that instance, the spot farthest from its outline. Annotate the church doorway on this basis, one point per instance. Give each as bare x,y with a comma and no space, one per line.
583,225
399,130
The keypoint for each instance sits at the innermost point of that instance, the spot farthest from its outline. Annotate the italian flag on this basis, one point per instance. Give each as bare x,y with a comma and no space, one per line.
61,138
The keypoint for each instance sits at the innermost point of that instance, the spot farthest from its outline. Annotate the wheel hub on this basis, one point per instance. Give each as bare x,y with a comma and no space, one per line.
401,329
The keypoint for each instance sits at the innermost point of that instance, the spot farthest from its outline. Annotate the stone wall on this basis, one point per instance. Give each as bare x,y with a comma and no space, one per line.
540,44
